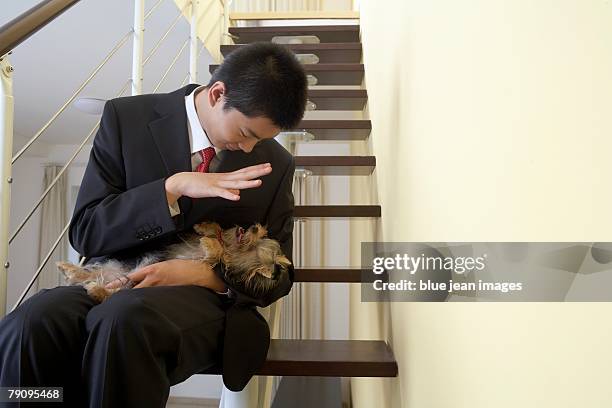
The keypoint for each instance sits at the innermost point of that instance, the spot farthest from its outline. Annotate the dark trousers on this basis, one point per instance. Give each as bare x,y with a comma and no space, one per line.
124,352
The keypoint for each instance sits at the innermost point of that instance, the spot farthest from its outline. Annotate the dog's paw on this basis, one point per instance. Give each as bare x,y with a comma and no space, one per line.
97,292
66,266
212,248
72,272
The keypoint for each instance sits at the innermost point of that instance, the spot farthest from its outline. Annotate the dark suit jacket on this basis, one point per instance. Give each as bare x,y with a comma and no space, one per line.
122,211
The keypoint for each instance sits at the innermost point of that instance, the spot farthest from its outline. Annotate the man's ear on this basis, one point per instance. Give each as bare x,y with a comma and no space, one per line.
215,93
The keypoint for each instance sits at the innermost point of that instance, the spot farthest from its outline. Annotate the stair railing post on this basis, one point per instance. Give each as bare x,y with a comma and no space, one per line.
300,176
193,43
292,308
6,151
138,46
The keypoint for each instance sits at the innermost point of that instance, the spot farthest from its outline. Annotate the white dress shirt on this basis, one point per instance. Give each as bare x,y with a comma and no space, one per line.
198,140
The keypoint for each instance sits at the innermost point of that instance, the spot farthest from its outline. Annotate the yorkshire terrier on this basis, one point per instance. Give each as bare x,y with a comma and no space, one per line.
248,258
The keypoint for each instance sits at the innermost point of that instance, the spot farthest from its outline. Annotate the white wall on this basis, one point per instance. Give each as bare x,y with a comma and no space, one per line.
492,122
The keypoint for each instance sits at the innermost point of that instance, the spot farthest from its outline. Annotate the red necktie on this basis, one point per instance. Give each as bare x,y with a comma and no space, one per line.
207,156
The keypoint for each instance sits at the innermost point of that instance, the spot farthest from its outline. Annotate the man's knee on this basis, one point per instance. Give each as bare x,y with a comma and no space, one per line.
123,310
42,334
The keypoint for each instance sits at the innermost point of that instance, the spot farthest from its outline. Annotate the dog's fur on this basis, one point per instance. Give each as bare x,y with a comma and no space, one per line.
247,256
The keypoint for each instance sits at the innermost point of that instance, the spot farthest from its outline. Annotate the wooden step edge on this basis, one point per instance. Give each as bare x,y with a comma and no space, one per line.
337,275
337,165
337,93
327,358
326,33
335,124
226,48
335,160
338,99
309,68
330,358
336,211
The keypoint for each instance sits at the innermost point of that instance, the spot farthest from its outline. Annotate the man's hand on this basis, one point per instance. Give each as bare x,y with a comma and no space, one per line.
224,185
174,272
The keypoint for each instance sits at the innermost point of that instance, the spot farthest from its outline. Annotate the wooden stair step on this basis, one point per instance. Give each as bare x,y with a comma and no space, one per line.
327,52
327,358
338,99
327,274
326,211
330,358
329,74
337,129
337,165
325,33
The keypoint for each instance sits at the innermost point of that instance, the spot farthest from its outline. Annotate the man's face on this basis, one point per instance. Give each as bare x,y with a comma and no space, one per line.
231,130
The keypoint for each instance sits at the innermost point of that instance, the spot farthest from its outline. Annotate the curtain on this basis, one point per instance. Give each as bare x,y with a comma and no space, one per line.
52,221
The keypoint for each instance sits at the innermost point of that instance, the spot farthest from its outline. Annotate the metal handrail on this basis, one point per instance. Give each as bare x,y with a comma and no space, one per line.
40,268
184,82
51,185
84,84
74,95
176,57
163,37
25,26
152,9
29,22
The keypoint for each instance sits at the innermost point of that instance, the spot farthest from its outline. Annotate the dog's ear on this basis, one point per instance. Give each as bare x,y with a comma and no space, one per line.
284,264
265,270
262,230
282,261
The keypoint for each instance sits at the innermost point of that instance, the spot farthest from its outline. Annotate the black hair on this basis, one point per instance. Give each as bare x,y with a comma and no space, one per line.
264,79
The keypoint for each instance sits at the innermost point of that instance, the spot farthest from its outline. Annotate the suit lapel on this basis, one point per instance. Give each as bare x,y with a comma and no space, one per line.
170,132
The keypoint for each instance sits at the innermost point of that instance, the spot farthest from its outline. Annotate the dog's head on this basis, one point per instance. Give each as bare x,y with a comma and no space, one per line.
253,262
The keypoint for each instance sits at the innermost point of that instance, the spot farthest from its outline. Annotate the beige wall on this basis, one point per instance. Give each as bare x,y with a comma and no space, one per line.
492,122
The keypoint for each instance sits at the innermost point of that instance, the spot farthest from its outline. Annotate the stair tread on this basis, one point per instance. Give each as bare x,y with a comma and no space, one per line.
337,165
306,211
330,358
336,129
336,66
327,358
326,33
336,124
328,74
327,274
334,93
326,52
338,99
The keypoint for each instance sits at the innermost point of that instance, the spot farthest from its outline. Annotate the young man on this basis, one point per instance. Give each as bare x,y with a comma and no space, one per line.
160,164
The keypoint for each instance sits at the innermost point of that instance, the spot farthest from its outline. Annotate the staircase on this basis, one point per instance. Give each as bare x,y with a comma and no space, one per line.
331,55
339,63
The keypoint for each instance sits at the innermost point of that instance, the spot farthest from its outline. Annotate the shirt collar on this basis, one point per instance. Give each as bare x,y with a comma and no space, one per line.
198,139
